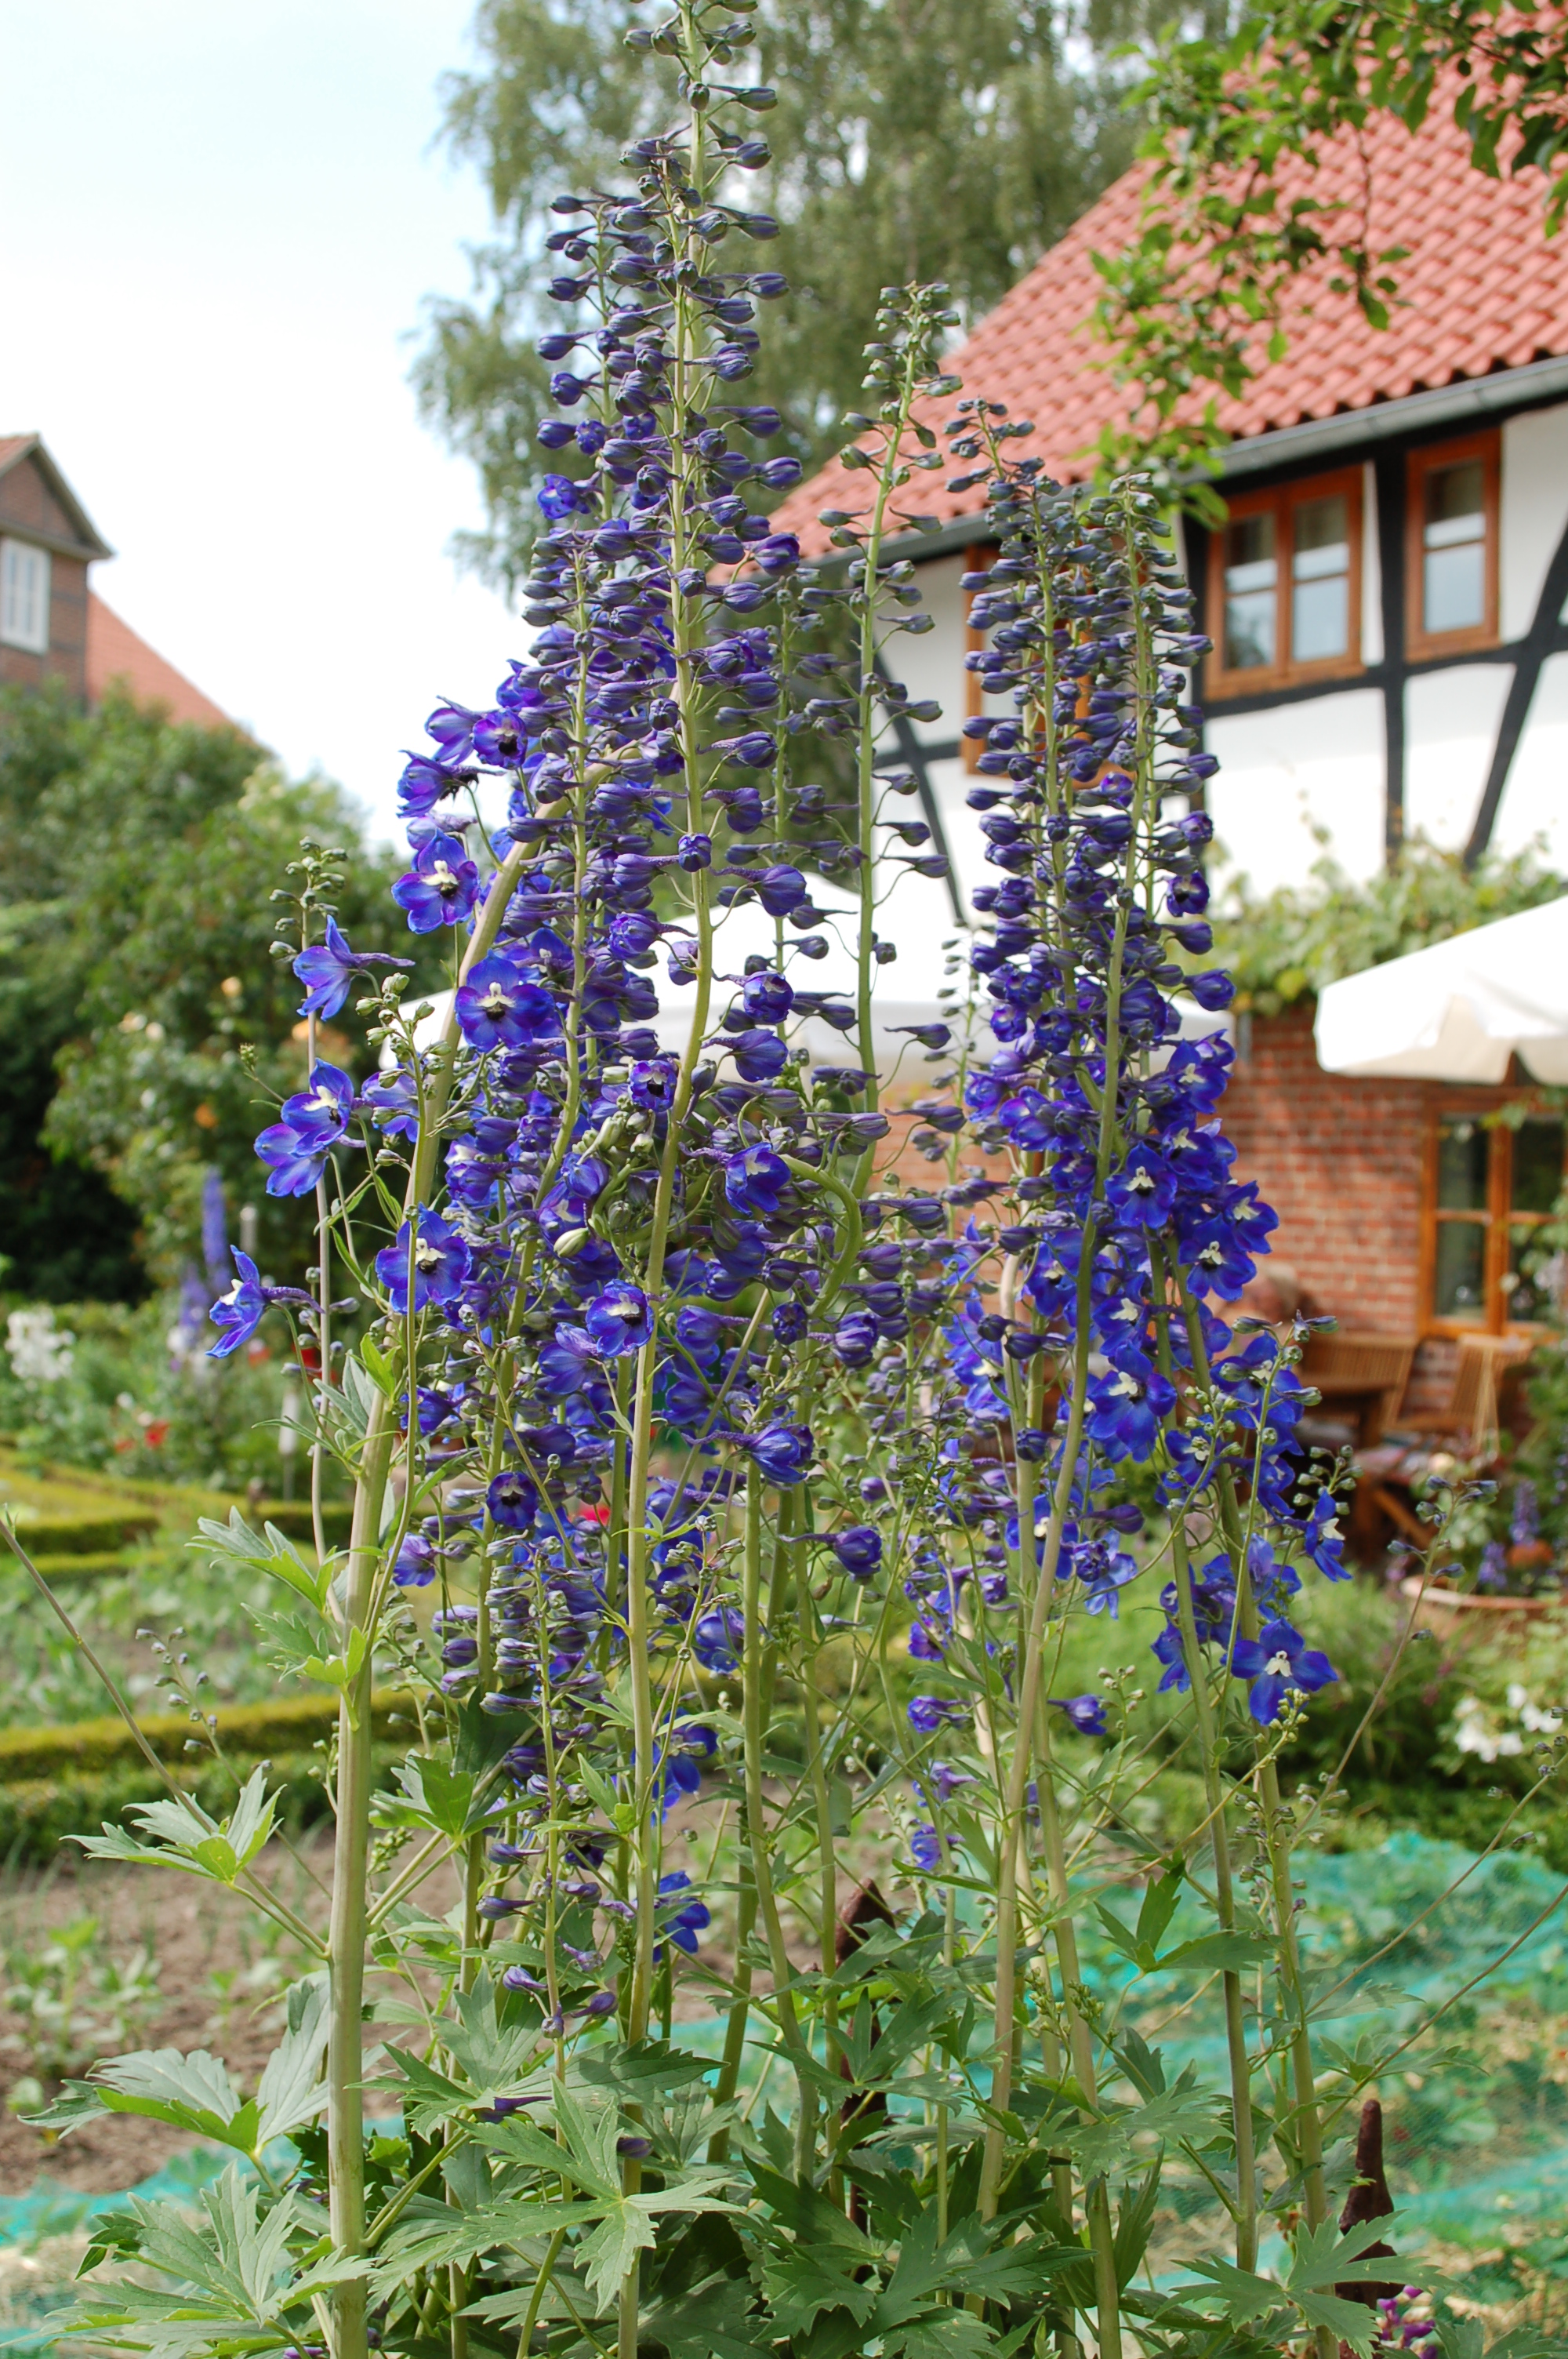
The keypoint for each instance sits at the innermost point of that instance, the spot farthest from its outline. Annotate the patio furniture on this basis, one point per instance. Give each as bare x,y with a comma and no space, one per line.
1361,1376
1468,1422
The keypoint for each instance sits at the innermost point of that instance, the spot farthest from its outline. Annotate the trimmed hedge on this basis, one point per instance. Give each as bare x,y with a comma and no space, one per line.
85,1535
36,1816
255,1731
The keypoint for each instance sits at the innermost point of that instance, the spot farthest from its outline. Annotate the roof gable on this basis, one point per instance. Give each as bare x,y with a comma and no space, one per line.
1482,290
81,536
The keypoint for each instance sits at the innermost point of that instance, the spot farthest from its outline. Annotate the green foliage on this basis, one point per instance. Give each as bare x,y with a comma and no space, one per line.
134,967
1239,117
1286,946
76,1998
953,141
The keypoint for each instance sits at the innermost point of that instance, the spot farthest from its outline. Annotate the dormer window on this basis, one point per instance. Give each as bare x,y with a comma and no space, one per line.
1285,586
23,596
1452,546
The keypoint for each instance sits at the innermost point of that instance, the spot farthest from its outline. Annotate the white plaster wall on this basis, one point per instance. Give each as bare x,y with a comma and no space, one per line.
1534,509
932,664
1371,569
1535,801
1299,784
1450,727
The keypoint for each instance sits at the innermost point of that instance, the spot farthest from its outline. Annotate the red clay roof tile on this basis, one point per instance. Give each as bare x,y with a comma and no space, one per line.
114,653
1481,289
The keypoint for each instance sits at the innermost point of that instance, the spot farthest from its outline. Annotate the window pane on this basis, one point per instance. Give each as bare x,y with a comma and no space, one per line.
1538,1166
1462,1151
1251,592
1320,577
1461,1265
1453,584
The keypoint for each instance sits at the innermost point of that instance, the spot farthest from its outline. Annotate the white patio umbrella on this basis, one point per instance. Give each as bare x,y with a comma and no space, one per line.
1459,1011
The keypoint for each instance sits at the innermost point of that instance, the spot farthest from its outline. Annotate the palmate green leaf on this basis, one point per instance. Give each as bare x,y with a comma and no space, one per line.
179,1834
637,2069
234,2282
191,2092
431,2235
275,1554
714,2321
809,2280
291,2091
1179,2113
431,1795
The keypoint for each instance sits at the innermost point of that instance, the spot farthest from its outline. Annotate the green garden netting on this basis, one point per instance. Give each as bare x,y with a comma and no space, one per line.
1414,1937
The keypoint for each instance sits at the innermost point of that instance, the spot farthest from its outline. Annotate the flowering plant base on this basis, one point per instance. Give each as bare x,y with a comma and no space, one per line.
692,1456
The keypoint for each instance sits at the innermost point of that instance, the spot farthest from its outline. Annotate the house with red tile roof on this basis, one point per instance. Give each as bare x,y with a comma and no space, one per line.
1387,600
53,627
1388,608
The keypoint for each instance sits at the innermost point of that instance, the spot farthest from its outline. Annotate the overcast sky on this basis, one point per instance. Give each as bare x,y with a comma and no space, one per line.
221,219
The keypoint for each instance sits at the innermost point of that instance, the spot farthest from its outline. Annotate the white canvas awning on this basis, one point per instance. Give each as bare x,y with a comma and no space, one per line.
1460,1010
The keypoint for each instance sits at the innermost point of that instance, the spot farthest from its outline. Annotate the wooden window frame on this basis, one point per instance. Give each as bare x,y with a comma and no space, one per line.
1281,503
1487,446
982,556
1499,1218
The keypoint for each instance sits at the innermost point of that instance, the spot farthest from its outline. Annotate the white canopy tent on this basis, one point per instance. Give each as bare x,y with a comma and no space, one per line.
1459,1011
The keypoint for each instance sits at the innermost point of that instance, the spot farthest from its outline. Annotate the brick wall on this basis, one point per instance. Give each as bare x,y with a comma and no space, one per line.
27,506
1341,1162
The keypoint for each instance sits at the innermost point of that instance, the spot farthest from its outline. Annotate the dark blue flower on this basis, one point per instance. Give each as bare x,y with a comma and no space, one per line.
619,1320
926,1851
293,1163
415,1564
767,997
755,1181
1279,1663
439,1260
393,1099
927,1713
238,1313
681,1919
760,1057
322,1114
859,1549
498,1007
1087,1713
329,968
783,1452
441,888
717,1637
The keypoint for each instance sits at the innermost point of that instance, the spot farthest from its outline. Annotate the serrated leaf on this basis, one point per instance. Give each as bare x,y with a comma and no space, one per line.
645,2065
810,2279
290,2091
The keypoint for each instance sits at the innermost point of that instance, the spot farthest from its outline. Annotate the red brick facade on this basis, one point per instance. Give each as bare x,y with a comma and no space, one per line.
1343,1164
32,511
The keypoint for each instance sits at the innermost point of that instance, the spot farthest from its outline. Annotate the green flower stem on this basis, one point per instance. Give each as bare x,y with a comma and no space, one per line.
349,1921
1219,1844
1277,1841
754,1697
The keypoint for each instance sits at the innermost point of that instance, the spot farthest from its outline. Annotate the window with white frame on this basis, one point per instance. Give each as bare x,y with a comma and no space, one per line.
23,596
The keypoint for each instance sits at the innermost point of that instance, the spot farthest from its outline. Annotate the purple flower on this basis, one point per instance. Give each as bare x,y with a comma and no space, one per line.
926,1851
322,1114
780,888
293,1163
1126,1407
497,1007
717,1637
415,1564
440,1258
393,1099
1213,991
1143,1190
512,1501
619,1320
425,782
238,1313
767,997
859,1549
441,888
1279,1663
927,1713
327,969
760,1057
1087,1713
682,1919
566,1363
756,1182
559,496
695,852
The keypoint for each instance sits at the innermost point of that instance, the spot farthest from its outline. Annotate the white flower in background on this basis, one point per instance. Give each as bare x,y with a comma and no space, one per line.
1474,1733
40,1352
1540,1723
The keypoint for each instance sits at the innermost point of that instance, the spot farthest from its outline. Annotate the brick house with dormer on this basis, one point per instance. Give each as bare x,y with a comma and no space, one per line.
53,627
